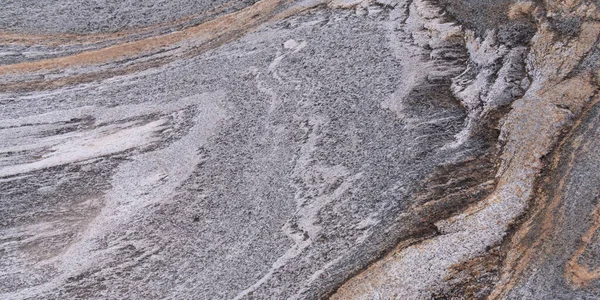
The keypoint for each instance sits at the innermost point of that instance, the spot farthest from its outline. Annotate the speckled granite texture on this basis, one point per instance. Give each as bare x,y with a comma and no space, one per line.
310,149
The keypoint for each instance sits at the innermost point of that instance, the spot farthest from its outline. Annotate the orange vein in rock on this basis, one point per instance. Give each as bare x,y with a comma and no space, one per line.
220,26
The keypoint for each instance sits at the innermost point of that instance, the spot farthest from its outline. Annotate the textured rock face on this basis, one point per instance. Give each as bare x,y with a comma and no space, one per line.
345,149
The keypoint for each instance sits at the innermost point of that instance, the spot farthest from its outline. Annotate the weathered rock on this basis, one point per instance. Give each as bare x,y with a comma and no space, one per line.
397,149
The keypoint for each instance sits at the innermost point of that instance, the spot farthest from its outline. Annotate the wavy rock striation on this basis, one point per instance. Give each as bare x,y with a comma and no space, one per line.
343,149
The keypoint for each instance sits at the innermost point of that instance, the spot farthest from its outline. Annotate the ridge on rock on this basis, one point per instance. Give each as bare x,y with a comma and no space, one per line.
309,149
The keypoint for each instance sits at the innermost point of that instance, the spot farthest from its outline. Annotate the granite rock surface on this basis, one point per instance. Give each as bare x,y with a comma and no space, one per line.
310,149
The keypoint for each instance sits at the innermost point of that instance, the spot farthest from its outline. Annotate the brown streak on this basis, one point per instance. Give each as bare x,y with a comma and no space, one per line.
577,274
518,261
53,40
204,32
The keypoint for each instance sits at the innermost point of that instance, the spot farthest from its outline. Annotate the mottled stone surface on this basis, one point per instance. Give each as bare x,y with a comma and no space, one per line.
563,234
81,16
389,149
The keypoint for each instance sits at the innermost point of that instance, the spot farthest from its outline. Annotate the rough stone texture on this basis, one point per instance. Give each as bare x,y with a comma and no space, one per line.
80,16
344,149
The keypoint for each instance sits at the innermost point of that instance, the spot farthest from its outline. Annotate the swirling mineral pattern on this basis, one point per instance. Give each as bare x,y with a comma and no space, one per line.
299,149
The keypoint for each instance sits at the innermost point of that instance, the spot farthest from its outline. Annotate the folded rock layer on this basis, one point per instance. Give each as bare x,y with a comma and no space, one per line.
343,149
